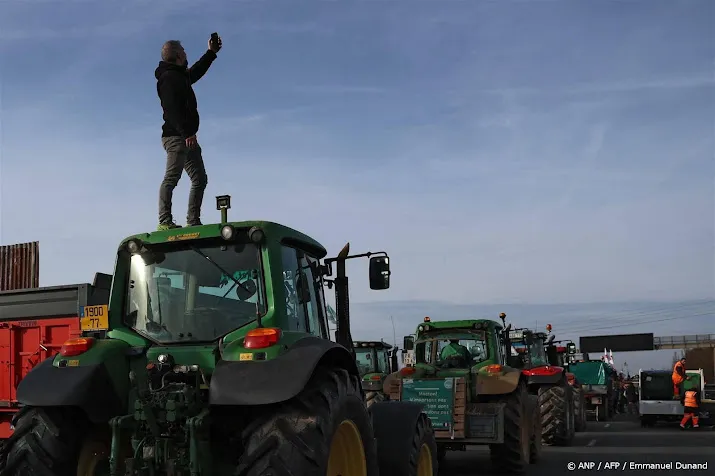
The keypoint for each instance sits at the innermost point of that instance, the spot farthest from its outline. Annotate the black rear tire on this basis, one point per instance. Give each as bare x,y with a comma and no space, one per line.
295,437
536,446
512,456
580,409
556,414
46,441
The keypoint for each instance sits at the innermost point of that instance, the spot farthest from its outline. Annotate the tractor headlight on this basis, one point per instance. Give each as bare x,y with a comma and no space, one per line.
134,246
227,232
256,235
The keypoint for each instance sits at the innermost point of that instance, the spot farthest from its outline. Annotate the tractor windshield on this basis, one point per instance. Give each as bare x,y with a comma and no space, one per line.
537,353
468,348
194,293
365,360
527,352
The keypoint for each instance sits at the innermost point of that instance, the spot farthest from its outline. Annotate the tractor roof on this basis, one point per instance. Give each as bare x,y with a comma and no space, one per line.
372,343
465,324
272,230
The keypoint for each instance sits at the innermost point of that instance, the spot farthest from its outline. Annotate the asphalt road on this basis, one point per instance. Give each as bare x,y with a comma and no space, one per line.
607,447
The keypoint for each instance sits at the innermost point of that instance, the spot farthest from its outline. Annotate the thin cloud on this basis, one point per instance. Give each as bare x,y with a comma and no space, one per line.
338,89
684,82
116,29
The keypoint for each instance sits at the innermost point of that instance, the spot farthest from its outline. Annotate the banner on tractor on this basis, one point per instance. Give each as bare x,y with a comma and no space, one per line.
437,396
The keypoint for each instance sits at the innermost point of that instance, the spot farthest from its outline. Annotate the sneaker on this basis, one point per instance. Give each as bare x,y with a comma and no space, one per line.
196,223
167,226
682,427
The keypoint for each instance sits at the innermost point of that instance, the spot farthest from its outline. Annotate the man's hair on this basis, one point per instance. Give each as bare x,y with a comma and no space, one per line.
170,51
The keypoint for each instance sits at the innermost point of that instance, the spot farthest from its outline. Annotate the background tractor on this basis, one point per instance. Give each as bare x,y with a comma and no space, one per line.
597,379
561,354
548,382
216,361
469,393
375,360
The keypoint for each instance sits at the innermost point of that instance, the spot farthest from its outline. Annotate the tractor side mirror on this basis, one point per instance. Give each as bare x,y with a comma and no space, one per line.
408,343
571,348
379,272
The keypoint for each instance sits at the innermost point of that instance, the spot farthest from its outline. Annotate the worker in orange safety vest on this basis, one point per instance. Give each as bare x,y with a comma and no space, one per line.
691,402
679,376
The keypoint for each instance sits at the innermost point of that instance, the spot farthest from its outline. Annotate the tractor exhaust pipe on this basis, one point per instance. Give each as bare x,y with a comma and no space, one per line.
342,302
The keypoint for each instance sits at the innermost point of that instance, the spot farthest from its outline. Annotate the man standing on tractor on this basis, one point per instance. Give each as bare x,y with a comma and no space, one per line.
455,354
679,376
181,123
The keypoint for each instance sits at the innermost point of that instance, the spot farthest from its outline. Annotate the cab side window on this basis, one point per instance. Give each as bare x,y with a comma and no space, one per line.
318,316
294,307
498,340
307,281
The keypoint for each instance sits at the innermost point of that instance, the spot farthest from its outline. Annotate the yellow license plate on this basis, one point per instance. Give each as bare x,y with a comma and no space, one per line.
95,318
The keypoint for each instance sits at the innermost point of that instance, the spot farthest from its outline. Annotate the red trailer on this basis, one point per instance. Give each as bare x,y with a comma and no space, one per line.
34,323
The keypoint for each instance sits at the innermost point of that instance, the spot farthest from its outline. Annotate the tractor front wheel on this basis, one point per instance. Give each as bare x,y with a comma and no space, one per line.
56,441
513,455
326,429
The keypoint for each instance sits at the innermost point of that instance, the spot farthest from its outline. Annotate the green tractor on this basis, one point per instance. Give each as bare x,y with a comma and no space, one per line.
471,395
213,358
375,359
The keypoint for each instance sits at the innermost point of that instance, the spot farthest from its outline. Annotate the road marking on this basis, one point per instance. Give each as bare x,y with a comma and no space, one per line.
591,443
607,425
631,451
666,432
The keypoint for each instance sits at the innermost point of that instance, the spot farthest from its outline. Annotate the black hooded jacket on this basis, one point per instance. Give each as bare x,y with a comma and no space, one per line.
173,85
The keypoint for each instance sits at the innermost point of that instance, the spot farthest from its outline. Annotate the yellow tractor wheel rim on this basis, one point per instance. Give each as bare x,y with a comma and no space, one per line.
347,454
93,459
424,461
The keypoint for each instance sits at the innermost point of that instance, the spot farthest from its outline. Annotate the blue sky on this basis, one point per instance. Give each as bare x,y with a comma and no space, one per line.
502,152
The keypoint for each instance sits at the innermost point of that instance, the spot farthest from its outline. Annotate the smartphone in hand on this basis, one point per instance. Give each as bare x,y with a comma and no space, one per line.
215,42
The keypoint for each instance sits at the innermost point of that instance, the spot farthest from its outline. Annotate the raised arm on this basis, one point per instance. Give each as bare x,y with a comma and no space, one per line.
199,68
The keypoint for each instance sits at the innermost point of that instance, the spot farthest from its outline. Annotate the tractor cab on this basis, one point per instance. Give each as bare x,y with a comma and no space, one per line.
527,349
561,353
375,358
454,347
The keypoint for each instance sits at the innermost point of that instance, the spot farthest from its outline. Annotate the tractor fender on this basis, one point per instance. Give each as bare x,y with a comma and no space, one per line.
498,383
279,379
394,425
88,387
547,375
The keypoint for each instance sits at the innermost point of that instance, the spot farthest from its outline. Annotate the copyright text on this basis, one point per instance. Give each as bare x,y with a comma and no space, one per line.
633,466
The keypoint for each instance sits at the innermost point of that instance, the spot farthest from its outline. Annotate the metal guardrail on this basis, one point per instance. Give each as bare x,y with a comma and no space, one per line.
687,341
